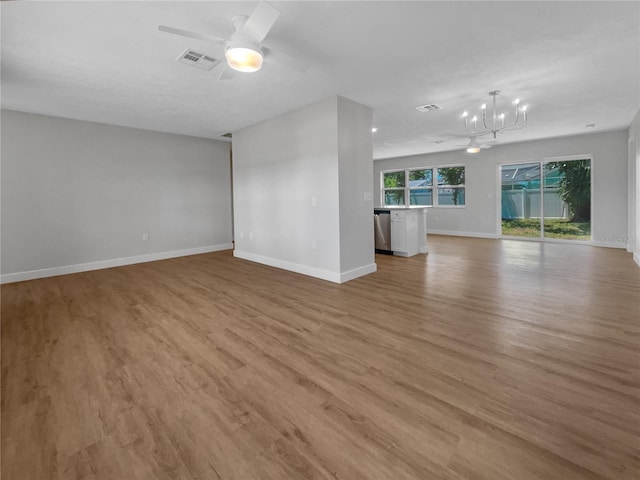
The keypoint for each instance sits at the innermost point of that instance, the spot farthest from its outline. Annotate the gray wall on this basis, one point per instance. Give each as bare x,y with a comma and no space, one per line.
287,177
77,192
480,216
355,153
634,188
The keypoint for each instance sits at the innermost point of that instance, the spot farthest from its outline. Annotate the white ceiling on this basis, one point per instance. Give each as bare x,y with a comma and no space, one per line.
572,63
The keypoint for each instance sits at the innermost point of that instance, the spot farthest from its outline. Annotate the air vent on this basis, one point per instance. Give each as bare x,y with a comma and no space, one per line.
440,142
197,59
227,135
428,108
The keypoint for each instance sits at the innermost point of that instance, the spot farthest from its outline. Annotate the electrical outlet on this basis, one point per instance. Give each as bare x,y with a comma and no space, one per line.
145,237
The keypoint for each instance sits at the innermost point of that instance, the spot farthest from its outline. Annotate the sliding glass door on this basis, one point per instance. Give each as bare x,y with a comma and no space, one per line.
550,199
567,199
521,200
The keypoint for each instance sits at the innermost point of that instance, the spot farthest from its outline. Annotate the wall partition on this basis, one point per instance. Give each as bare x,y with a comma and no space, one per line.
549,199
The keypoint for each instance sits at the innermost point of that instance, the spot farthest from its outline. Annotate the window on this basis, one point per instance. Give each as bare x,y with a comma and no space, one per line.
394,186
415,187
421,187
451,186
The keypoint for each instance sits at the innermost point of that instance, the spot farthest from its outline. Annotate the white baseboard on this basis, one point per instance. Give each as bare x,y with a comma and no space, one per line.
358,272
490,235
461,234
116,262
609,244
305,269
636,258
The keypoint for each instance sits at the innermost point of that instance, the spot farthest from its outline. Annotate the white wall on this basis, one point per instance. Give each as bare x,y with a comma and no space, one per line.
287,173
78,196
634,188
480,216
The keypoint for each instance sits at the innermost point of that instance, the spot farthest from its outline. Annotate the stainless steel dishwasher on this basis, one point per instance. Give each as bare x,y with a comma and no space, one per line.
382,229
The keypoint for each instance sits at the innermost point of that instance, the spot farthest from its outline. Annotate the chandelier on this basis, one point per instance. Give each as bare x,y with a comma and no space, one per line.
497,121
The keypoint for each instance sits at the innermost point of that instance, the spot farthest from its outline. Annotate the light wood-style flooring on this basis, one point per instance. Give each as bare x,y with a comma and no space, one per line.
486,359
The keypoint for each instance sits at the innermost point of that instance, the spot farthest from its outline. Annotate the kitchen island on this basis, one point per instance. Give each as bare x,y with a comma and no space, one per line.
408,232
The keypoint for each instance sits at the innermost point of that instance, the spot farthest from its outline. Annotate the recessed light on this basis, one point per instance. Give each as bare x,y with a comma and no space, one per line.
374,130
590,125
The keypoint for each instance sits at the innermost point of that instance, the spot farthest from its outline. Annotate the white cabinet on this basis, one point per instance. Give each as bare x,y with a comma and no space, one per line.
408,232
399,231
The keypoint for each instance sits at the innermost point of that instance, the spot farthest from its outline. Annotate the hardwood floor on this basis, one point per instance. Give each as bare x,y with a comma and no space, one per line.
486,359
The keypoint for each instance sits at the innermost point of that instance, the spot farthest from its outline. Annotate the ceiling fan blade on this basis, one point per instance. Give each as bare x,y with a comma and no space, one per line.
260,22
227,73
187,33
282,59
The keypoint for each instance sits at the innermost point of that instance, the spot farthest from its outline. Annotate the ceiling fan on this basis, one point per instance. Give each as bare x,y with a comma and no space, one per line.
244,50
474,146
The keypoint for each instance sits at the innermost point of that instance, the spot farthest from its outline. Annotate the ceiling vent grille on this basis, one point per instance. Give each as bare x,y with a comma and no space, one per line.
197,59
429,107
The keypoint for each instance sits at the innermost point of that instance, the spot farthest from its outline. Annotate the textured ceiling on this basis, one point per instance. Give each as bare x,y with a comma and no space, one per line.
573,63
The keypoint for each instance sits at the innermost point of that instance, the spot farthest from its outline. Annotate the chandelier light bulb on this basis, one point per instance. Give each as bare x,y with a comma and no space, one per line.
484,106
464,114
474,118
473,149
524,108
502,116
516,101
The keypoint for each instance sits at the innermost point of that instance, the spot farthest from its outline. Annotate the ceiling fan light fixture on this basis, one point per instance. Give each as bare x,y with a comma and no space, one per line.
473,149
244,59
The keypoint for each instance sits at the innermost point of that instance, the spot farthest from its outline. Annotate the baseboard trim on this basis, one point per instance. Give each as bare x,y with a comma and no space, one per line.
358,272
636,258
461,234
610,244
291,266
320,273
116,262
490,235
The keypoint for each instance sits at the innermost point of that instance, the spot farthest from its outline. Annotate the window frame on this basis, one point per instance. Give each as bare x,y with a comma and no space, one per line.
434,187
